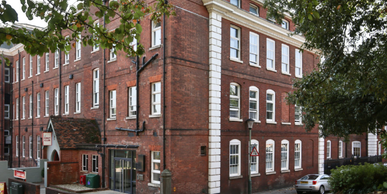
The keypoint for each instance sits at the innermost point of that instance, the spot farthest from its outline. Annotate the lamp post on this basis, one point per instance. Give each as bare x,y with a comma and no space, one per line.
250,123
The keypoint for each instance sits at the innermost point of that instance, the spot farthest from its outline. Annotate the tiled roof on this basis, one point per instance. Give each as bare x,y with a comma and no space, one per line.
71,132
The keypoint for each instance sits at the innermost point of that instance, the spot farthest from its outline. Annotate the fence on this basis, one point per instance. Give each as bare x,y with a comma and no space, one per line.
332,164
24,162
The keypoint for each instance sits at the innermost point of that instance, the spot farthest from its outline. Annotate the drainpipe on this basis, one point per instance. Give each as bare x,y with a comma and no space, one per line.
60,81
164,163
32,118
2,124
19,105
104,110
11,115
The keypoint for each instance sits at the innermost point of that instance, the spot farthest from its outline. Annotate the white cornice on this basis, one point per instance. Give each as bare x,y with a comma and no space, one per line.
246,19
12,51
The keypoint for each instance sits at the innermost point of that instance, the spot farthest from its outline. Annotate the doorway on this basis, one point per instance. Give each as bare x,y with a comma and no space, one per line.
123,171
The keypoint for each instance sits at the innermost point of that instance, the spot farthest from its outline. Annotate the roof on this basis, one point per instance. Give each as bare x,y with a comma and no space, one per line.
71,132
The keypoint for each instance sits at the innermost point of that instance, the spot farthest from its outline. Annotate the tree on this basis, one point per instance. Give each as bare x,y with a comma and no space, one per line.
347,93
60,16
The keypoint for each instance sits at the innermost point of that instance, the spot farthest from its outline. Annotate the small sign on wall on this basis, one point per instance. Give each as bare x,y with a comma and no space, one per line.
21,174
47,139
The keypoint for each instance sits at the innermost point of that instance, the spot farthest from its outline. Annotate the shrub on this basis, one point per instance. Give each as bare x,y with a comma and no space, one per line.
365,178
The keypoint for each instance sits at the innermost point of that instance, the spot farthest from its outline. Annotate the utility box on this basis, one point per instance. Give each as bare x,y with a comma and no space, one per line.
82,179
92,180
16,188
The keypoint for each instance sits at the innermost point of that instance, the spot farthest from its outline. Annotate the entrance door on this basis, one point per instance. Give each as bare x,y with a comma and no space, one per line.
123,176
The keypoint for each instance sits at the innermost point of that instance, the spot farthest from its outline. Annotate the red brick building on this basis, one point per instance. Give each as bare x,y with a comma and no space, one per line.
183,107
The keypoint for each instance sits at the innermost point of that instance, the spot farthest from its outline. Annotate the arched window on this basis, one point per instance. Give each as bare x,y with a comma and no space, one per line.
254,160
297,154
284,154
270,155
340,149
235,157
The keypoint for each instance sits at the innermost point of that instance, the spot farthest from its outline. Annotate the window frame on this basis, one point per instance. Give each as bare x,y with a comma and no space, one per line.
66,54
95,45
238,39
237,97
37,105
256,99
47,64
17,145
112,104
286,160
96,88
66,99
154,171
38,144
31,66
295,151
7,75
256,8
56,101
353,148
270,91
7,111
38,63
238,3
56,59
17,71
78,97
271,68
132,102
252,63
252,169
329,149
283,58
24,146
85,162
17,109
30,146
30,107
94,163
156,31
154,94
340,149
112,54
285,22
270,141
24,69
47,103
237,164
78,47
299,121
298,63
23,107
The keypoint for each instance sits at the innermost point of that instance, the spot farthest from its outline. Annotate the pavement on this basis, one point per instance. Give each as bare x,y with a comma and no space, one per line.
287,190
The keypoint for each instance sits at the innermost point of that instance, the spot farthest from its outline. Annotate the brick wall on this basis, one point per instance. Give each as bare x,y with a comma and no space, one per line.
62,173
28,188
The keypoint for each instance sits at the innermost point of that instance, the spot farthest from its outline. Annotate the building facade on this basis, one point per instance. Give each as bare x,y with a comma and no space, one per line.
182,107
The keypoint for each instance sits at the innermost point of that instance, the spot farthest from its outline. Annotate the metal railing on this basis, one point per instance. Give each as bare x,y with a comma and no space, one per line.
24,162
332,164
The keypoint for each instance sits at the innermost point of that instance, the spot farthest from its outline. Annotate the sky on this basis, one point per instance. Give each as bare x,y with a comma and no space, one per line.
22,17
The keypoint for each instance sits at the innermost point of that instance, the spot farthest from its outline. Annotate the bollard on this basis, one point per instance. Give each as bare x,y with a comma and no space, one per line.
166,182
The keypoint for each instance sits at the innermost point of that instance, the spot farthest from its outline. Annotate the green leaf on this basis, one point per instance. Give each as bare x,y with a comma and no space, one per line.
310,17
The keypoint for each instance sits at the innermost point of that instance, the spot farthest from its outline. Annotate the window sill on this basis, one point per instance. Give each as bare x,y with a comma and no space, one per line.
76,60
257,121
236,60
155,47
110,61
154,116
22,119
286,123
273,70
55,68
46,71
271,122
65,64
94,51
271,172
329,158
285,171
46,116
298,169
299,124
37,117
236,177
23,79
66,114
254,65
76,113
29,77
298,76
38,74
286,73
235,119
130,118
254,175
153,185
29,118
94,107
111,119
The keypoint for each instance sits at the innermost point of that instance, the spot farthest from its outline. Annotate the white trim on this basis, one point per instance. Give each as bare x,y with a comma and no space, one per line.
272,120
236,96
78,97
340,149
112,104
270,55
31,67
253,45
7,76
47,63
256,99
94,163
299,121
255,170
38,64
155,171
358,145
7,111
295,150
132,102
156,34
235,157
236,38
56,101
37,105
272,168
95,103
329,149
78,47
298,63
85,163
285,59
156,98
285,142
